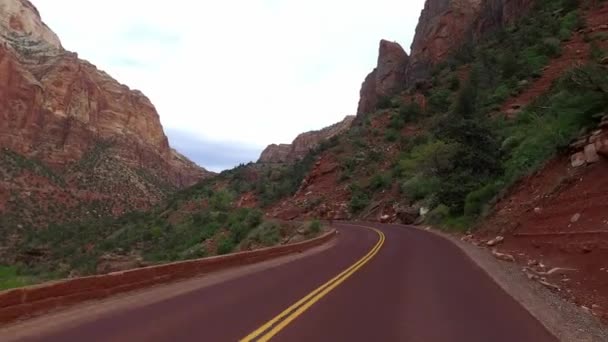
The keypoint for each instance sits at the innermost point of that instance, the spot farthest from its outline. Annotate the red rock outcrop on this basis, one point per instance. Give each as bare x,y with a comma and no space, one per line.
497,13
386,79
56,107
442,28
286,153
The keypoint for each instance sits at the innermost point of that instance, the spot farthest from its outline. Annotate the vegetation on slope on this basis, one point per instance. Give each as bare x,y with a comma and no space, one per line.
470,155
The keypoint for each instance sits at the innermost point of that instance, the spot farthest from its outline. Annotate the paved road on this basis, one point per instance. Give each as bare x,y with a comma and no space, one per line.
396,284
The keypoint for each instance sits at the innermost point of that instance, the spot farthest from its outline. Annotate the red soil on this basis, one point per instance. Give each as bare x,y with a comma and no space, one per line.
539,221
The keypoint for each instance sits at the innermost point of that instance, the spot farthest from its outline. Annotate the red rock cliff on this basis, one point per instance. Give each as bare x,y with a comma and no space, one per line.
443,27
386,79
55,106
285,153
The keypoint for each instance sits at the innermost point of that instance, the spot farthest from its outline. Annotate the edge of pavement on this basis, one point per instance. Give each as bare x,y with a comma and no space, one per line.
565,320
36,300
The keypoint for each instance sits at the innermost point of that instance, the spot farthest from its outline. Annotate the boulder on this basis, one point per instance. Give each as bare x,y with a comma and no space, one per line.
577,159
495,241
407,215
503,256
591,154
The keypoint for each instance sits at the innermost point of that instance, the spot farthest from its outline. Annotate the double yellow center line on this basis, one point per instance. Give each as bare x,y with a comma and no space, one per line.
275,325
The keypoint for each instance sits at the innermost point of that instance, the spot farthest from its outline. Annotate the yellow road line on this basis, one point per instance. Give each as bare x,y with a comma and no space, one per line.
288,315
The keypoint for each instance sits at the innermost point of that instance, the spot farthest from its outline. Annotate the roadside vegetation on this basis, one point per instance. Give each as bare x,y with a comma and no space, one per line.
470,154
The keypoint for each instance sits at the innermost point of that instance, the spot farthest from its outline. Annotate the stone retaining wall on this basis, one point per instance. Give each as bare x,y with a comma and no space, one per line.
35,300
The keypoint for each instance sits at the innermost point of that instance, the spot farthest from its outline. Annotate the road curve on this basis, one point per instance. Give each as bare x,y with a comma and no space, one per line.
393,284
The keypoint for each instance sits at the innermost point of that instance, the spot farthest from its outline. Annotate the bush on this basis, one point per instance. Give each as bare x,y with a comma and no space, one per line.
385,103
380,181
454,83
225,246
439,101
420,187
478,199
391,135
315,227
438,215
359,199
551,47
410,112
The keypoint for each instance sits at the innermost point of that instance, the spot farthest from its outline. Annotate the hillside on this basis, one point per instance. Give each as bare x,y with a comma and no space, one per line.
303,143
74,142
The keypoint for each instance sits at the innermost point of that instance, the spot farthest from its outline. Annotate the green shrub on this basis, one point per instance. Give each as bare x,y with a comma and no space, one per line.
420,187
385,103
10,278
359,199
439,101
454,83
438,215
551,47
397,122
225,246
391,135
410,112
476,200
315,227
380,181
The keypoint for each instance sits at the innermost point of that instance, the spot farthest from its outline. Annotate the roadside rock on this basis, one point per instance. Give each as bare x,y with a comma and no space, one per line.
575,218
407,215
591,154
503,256
577,159
495,241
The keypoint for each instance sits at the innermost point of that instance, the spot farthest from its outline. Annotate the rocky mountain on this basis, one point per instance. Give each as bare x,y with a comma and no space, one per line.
444,27
97,137
56,106
303,143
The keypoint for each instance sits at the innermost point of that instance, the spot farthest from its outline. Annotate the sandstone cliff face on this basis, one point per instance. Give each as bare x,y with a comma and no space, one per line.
55,106
443,27
23,19
497,13
286,153
386,79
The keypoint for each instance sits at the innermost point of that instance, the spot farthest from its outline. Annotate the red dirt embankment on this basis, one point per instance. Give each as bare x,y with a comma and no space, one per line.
35,300
558,217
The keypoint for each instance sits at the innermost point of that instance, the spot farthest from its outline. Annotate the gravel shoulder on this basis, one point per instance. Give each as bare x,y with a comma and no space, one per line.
563,319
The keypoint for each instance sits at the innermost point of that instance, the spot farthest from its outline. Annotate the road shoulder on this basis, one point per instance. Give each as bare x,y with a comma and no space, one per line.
563,319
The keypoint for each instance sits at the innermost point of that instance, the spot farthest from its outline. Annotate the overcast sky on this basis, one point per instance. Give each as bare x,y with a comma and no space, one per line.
229,77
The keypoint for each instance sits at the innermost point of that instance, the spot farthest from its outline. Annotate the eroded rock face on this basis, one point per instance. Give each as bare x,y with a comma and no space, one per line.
275,153
287,153
55,106
23,19
497,13
443,26
388,78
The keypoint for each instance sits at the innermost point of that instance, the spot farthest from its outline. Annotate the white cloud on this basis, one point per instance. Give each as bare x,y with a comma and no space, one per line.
252,72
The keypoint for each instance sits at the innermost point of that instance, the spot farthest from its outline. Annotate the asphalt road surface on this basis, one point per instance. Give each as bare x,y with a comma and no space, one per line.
376,283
